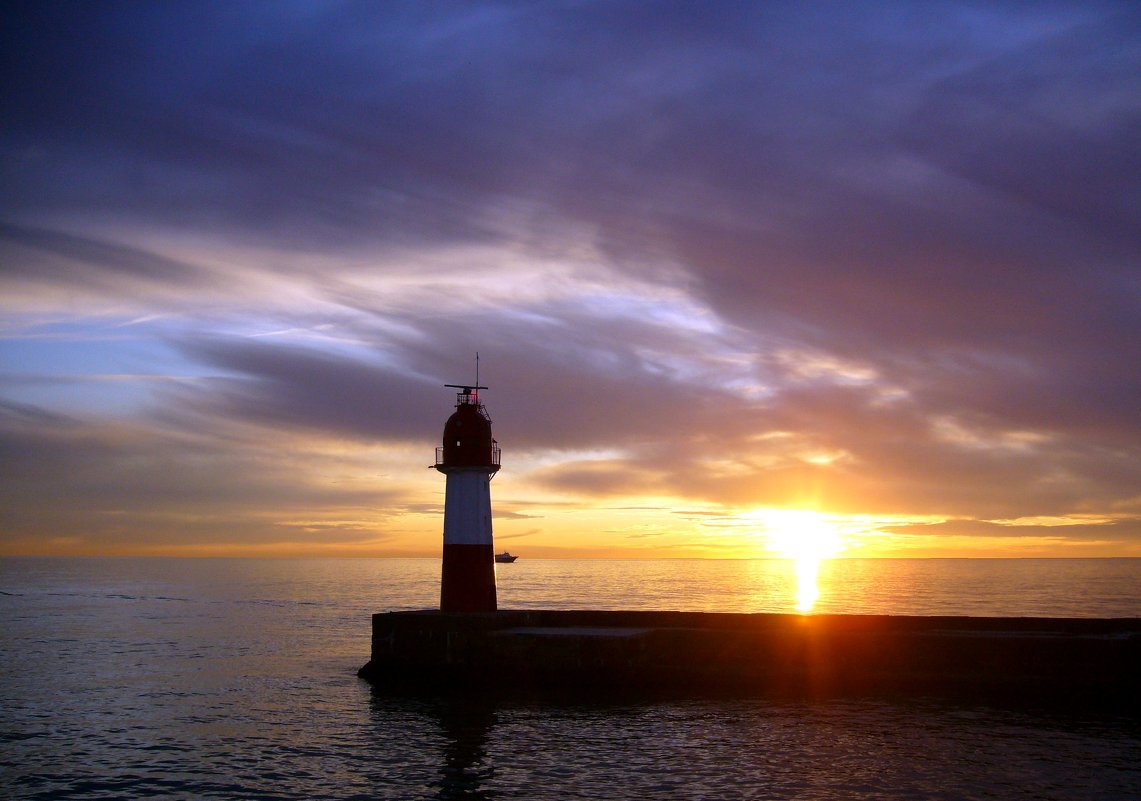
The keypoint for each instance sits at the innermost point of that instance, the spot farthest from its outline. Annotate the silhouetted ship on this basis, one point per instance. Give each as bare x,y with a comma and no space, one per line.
505,557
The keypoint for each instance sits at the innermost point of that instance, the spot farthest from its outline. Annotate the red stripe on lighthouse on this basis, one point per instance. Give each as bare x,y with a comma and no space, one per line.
468,581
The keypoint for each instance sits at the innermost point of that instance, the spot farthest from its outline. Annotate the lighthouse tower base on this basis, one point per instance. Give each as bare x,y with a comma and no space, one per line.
468,580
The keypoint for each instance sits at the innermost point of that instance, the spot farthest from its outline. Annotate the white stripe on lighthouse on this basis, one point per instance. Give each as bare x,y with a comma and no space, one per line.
467,508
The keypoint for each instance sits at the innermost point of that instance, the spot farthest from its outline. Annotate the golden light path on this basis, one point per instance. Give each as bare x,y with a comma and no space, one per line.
807,586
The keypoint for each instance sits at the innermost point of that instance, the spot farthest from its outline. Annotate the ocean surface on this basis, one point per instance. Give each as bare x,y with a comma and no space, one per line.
235,679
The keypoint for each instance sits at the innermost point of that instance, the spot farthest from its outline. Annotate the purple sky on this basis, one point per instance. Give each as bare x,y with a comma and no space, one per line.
880,260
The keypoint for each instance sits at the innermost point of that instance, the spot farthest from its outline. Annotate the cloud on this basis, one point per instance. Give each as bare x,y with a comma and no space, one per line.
305,389
44,269
1114,531
129,485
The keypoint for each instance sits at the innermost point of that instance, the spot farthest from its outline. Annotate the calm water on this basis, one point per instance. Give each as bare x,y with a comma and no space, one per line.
131,678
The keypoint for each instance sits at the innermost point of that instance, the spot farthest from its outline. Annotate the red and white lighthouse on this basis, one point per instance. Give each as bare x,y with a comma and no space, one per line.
469,457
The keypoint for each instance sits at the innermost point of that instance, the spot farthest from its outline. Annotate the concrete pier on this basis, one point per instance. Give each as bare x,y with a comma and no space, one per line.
1050,659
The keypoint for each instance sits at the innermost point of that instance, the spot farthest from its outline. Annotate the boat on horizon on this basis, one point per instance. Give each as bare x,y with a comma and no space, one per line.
505,558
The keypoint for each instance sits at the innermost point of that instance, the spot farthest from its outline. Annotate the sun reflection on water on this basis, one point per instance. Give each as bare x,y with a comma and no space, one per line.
807,583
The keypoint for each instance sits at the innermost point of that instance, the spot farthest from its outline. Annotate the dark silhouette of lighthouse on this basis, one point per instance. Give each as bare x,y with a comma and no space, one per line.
469,457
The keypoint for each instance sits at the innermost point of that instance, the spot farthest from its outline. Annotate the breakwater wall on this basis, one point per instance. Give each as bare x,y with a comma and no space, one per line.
1069,660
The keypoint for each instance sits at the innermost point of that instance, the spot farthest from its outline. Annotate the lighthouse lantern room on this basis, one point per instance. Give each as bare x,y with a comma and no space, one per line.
469,457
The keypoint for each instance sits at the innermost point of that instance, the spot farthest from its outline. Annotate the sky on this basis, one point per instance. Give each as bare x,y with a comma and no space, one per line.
740,275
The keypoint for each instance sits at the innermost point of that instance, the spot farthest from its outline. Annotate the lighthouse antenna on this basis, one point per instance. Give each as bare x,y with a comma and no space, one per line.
470,390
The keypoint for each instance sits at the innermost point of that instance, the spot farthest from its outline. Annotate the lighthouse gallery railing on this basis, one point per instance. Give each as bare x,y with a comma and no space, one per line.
494,455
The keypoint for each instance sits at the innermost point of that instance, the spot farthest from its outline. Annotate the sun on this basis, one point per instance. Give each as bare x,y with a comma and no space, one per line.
800,534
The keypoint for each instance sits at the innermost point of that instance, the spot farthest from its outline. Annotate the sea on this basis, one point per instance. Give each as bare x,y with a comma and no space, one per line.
124,678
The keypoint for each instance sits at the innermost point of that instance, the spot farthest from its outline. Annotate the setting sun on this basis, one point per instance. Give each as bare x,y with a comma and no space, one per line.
801,534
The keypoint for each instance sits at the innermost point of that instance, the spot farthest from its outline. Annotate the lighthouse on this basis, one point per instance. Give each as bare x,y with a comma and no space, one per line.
469,457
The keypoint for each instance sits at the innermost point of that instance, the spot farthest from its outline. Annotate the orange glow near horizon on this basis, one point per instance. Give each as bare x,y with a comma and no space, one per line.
549,526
